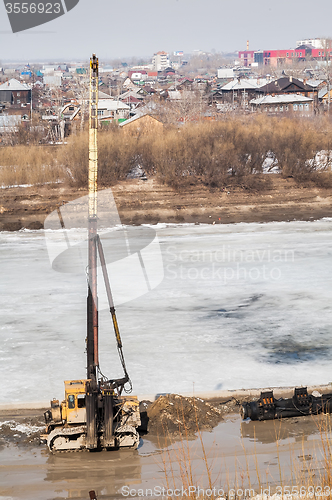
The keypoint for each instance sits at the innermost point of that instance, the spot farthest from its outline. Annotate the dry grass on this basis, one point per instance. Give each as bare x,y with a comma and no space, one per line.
206,152
185,464
29,165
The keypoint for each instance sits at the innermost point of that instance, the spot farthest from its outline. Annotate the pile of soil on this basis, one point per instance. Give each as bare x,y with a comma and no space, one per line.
174,414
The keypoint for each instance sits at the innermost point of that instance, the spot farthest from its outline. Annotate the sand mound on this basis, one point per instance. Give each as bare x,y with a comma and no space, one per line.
174,414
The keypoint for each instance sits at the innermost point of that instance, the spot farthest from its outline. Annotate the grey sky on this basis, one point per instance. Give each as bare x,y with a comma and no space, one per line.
124,28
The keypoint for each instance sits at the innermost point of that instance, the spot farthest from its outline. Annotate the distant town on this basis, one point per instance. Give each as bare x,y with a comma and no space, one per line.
169,88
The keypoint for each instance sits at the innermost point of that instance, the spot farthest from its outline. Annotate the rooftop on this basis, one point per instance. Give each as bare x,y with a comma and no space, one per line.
13,85
281,99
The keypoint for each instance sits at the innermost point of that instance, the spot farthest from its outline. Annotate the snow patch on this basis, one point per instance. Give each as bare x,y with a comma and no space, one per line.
22,428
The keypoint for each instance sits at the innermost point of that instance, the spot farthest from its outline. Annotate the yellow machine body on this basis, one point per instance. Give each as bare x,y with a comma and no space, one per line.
66,428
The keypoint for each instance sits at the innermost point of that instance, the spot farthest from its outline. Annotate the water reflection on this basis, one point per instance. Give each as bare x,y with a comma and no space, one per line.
105,472
233,450
286,430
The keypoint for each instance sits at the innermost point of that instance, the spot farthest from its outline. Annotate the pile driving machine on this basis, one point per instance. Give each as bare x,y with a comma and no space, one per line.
94,415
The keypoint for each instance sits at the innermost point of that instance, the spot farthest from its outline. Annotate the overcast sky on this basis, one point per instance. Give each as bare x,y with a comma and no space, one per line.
125,28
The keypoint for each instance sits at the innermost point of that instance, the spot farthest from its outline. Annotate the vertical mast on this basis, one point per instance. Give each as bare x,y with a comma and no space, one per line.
92,313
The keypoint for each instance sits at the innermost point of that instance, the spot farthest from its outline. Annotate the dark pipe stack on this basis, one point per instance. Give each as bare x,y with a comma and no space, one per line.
269,408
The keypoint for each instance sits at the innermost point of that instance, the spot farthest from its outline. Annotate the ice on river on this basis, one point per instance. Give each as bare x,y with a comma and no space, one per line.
240,306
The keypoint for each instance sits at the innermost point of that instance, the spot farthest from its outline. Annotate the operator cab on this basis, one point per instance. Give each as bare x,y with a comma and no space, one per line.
75,407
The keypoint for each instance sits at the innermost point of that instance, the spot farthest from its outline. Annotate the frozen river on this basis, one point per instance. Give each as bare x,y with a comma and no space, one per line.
239,306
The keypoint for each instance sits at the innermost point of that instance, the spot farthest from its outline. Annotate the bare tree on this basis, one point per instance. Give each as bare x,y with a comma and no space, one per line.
186,106
81,91
327,48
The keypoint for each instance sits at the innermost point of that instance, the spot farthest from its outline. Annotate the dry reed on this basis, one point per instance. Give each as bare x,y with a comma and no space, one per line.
214,153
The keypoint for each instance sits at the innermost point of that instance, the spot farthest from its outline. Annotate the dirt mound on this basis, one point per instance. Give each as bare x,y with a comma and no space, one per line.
177,414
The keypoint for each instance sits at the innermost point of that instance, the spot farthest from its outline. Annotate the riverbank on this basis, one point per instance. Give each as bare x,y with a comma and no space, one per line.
21,424
149,202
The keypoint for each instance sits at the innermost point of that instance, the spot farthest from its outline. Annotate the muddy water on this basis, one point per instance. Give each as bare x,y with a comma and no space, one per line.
239,454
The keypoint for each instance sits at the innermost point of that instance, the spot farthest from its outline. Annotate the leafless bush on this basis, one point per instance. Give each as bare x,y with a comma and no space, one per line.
251,182
74,157
208,152
26,133
116,156
295,144
211,152
318,179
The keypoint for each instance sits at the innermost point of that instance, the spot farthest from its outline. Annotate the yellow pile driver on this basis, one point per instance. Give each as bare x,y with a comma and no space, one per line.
94,414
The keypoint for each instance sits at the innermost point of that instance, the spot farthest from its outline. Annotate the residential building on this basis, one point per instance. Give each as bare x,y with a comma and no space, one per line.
70,111
152,75
109,110
160,61
53,79
14,92
325,95
288,85
137,75
103,95
226,73
294,103
317,43
247,57
141,123
237,91
15,99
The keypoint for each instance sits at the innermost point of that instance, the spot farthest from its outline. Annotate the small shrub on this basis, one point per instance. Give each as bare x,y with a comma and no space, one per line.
319,179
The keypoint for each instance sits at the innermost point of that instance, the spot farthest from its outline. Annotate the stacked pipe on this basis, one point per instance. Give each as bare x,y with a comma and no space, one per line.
268,407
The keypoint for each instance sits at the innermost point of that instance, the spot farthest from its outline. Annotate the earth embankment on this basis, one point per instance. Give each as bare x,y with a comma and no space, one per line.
150,202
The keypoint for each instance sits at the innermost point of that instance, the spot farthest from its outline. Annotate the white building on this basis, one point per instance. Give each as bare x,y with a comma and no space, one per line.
138,76
111,109
53,79
160,61
226,73
9,123
318,43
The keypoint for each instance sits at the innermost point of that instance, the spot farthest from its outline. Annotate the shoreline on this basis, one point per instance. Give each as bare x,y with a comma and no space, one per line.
284,392
150,202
